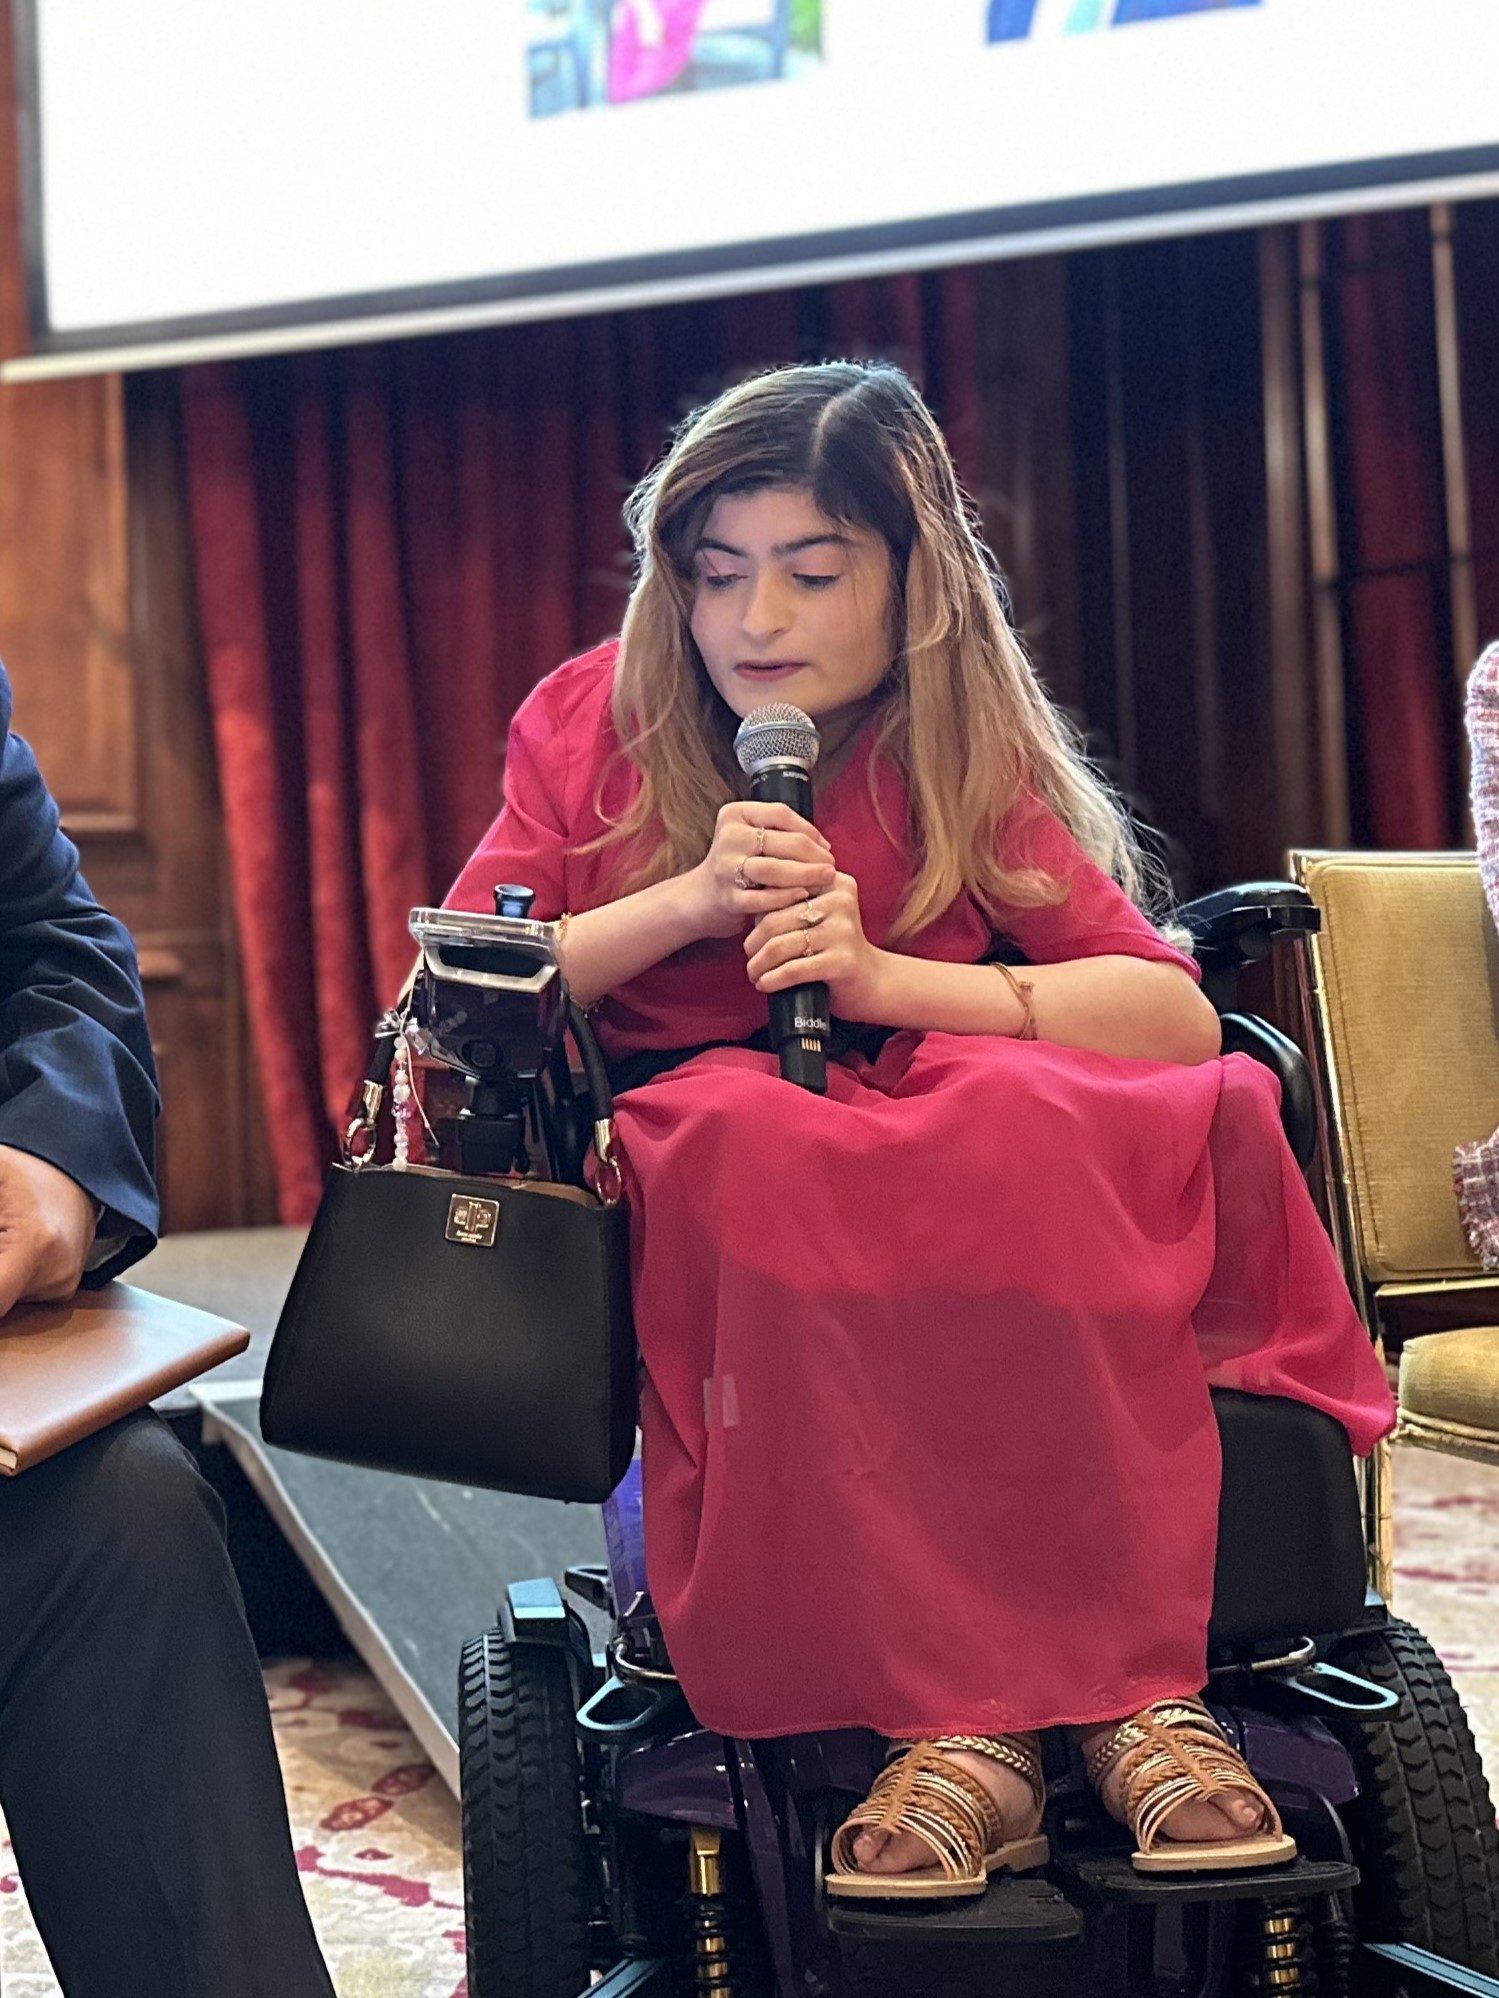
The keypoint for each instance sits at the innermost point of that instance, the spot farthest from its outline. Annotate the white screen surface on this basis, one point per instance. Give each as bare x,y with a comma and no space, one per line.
206,167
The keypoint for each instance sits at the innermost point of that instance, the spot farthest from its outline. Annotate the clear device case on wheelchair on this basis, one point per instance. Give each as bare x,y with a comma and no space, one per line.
490,1004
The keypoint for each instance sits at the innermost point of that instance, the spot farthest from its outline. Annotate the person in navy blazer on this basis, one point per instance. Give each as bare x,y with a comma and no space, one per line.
138,1773
77,1084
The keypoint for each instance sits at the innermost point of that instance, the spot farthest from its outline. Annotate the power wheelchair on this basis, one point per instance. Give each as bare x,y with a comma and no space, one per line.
607,1836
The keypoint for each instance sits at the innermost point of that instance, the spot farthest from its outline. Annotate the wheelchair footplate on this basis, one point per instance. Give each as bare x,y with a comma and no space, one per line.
1015,1909
1111,1877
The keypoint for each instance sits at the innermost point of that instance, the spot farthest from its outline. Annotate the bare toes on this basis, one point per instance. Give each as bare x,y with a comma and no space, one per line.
896,1852
1212,1821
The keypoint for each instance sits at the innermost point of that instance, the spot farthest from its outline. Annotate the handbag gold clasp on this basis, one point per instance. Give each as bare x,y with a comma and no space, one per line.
609,1183
359,1138
473,1221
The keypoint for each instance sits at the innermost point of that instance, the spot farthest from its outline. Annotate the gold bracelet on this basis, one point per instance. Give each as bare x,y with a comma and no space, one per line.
559,934
1025,992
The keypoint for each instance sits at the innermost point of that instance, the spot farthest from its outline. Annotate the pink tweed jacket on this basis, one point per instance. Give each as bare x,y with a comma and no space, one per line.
1476,1166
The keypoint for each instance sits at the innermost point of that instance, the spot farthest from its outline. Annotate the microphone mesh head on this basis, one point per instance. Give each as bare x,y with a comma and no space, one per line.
776,733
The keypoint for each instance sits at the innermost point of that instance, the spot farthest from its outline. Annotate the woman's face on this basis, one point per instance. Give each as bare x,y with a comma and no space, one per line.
790,606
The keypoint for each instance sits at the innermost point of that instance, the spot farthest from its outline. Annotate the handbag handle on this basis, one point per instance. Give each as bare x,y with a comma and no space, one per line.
610,1177
358,1147
359,1139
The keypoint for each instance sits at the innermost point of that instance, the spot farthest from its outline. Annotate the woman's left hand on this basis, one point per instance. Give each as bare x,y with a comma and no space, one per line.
820,941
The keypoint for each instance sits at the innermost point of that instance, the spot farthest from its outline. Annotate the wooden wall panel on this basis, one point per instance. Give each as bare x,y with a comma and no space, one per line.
152,843
1026,492
64,587
1170,546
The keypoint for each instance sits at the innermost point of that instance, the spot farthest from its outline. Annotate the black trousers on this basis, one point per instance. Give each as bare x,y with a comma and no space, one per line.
137,1769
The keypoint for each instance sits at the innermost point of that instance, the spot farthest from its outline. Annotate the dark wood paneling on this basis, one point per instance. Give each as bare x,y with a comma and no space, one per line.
1025,459
1231,600
1171,544
63,594
1159,396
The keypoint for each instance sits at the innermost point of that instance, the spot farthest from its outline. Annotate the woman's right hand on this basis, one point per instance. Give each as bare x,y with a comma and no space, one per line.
780,855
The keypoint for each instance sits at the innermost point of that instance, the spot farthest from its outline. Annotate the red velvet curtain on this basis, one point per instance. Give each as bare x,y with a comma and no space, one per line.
1404,673
1476,236
1393,529
392,544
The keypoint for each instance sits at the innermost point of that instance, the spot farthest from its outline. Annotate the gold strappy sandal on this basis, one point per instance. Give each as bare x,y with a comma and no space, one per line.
919,1790
1174,1753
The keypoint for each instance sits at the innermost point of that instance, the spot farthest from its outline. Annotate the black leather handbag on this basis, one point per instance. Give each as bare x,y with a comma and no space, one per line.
472,1329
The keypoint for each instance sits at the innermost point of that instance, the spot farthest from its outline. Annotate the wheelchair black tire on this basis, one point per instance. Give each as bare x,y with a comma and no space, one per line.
525,1866
1423,1827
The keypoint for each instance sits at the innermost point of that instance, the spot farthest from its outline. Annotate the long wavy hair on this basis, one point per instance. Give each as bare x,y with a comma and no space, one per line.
961,713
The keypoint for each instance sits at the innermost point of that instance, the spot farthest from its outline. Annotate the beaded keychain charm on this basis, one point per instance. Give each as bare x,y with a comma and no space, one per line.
406,1109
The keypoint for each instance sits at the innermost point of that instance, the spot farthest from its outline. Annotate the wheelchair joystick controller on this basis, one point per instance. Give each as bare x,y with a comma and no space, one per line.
490,1004
491,1129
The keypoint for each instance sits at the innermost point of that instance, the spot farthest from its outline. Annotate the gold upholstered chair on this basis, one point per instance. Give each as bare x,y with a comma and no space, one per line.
1400,1022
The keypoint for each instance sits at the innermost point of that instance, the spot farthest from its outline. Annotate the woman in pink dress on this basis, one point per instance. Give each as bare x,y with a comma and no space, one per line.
927,1441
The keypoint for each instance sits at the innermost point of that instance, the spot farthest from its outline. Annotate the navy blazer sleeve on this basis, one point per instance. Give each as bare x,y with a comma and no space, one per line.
77,1081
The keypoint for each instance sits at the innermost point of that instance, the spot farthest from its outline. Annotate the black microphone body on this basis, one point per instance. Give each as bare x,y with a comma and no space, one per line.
799,1019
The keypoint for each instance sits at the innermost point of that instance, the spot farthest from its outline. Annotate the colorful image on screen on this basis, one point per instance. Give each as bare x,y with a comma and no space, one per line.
1020,20
587,53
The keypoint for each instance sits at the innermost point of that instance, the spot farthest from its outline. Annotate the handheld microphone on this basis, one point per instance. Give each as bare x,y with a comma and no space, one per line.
777,746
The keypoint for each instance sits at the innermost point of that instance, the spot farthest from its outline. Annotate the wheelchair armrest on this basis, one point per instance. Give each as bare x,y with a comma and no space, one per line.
1237,926
1244,1033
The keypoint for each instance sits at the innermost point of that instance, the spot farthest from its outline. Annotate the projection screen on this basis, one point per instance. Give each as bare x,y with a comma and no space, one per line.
201,176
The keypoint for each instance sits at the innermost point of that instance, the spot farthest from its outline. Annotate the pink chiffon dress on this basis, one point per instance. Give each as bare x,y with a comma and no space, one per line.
927,1445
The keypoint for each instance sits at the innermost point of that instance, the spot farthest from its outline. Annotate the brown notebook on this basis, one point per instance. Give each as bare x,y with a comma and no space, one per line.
68,1369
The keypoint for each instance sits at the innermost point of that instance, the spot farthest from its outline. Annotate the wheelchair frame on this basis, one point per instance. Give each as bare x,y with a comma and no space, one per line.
751,1819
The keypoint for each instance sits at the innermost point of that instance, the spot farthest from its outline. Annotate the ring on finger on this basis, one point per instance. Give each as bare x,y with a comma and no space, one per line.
809,944
741,879
811,917
759,841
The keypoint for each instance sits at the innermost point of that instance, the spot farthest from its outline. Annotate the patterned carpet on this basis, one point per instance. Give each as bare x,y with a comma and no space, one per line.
377,1833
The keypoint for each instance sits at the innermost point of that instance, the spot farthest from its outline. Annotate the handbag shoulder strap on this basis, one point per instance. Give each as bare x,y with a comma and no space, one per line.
358,1147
